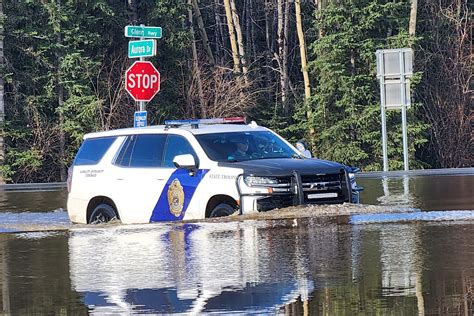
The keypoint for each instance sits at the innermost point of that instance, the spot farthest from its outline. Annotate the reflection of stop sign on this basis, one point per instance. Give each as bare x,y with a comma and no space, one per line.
142,81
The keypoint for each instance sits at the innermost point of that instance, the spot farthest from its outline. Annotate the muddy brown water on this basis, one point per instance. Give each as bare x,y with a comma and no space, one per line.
414,262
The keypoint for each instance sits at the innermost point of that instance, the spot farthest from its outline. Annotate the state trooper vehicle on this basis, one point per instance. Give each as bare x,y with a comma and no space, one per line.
195,169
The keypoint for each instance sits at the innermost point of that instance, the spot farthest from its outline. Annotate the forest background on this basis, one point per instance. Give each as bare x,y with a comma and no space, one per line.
303,68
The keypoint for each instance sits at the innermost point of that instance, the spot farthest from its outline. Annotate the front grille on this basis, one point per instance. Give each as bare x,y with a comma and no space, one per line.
307,189
323,188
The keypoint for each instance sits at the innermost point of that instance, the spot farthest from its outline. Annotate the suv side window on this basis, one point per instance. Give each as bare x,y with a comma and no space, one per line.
177,145
142,151
92,150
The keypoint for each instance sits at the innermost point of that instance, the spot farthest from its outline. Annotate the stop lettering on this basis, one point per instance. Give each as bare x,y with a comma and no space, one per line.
142,81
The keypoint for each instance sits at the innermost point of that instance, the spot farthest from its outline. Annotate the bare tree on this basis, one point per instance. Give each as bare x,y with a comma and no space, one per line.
225,94
233,43
240,39
202,31
282,57
412,23
304,70
196,70
447,91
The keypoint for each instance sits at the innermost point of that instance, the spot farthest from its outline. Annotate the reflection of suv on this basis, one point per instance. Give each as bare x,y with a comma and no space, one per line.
193,170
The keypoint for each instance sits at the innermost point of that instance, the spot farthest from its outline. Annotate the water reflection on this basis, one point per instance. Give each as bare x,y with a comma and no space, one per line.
435,192
186,268
306,266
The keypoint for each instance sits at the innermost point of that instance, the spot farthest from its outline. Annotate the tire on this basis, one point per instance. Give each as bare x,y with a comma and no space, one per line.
102,213
222,209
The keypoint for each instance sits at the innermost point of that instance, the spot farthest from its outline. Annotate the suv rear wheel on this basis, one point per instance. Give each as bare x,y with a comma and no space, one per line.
102,213
222,209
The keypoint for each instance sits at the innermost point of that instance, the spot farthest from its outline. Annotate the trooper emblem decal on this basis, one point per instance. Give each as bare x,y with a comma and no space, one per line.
176,197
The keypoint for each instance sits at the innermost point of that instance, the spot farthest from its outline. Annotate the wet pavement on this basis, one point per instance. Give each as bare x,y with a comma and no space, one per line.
420,261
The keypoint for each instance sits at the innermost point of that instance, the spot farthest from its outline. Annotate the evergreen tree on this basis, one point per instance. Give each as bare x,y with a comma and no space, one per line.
346,101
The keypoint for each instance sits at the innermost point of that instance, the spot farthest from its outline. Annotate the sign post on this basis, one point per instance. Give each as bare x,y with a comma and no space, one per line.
142,80
394,68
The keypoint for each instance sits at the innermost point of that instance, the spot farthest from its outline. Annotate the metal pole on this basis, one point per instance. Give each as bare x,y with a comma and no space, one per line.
404,109
142,104
384,126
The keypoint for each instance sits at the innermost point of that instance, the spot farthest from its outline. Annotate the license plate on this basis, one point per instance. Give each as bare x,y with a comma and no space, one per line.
322,195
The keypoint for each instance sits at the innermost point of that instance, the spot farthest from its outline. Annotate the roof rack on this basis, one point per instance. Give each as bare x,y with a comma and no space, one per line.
195,122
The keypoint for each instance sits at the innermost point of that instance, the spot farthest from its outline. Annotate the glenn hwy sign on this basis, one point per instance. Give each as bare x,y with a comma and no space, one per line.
143,31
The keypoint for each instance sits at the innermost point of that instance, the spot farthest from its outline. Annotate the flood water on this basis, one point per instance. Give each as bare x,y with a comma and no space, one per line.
422,264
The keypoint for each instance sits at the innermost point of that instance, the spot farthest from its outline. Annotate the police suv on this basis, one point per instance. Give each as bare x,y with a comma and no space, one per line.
194,169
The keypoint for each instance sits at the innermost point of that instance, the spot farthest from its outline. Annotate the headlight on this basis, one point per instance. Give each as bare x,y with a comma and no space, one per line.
260,181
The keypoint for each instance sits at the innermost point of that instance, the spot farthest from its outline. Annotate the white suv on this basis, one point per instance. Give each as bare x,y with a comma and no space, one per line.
193,170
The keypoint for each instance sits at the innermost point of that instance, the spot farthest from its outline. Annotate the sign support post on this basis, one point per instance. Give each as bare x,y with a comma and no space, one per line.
143,48
404,109
384,125
394,68
142,104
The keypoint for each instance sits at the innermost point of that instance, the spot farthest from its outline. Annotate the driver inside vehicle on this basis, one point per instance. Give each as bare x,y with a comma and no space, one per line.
241,151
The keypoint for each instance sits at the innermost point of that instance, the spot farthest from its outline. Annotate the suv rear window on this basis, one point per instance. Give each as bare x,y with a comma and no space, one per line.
92,150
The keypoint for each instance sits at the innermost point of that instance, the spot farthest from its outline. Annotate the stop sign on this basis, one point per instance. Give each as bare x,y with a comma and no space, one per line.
142,81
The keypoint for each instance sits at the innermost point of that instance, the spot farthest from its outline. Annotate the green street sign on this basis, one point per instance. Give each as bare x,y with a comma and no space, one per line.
145,48
143,31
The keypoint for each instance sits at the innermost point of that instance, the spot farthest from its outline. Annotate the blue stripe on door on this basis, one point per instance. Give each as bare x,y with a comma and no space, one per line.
161,211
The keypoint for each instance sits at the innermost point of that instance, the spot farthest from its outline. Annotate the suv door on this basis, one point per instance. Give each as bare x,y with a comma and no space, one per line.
139,176
180,186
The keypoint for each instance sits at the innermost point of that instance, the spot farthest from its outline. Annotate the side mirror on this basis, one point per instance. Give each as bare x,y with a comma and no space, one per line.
186,161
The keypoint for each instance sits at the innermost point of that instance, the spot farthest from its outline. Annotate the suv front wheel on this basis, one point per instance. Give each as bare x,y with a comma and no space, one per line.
222,209
102,213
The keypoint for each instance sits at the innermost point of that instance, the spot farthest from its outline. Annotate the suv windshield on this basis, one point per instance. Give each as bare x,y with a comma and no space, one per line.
241,146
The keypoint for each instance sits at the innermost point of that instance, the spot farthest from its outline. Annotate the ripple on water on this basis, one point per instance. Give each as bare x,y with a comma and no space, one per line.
434,216
34,221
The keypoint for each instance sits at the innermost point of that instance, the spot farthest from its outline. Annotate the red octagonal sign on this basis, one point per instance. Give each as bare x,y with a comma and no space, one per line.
142,81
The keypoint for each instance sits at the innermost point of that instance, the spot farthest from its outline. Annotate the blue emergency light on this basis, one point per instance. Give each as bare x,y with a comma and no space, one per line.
195,122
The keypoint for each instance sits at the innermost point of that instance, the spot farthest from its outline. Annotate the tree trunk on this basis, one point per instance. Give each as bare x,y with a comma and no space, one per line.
240,40
2,104
233,43
413,11
304,69
282,23
196,71
202,30
269,53
252,31
62,136
284,57
218,33
133,17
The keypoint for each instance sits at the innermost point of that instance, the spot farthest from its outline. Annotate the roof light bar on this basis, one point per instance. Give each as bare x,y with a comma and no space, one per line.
221,120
